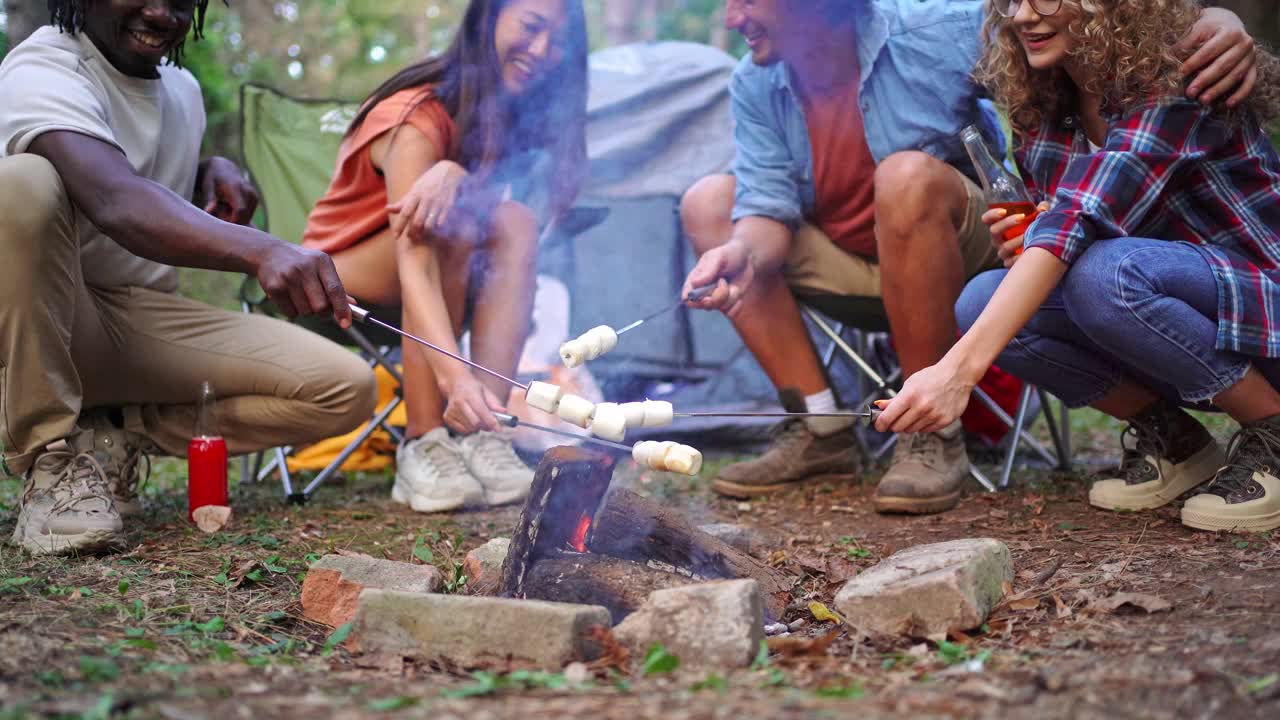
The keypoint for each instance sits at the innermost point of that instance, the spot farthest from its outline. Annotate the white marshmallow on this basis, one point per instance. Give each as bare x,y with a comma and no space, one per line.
573,353
658,458
642,450
684,460
658,413
634,411
606,337
609,422
576,410
592,344
543,396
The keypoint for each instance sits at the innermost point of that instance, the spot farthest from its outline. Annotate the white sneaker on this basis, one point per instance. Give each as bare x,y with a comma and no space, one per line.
67,506
431,476
492,459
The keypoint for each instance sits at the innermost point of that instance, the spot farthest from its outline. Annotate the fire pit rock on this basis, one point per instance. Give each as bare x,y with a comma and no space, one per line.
928,590
332,587
483,566
708,625
476,631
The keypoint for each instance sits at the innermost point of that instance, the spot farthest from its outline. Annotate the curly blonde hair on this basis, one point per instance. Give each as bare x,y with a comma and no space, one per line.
1130,42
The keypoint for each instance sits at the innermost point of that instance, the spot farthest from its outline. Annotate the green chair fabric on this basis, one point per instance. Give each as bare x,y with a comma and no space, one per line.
290,148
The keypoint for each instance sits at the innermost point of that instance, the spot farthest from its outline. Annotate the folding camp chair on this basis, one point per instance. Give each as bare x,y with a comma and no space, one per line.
290,147
865,318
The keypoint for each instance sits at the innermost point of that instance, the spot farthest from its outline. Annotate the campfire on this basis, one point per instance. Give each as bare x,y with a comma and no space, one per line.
578,541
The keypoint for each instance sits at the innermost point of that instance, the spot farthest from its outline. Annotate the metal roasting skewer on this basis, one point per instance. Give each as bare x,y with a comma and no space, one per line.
870,416
363,316
513,421
695,295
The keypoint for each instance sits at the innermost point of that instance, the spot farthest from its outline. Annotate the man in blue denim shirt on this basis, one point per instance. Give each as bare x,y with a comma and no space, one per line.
847,118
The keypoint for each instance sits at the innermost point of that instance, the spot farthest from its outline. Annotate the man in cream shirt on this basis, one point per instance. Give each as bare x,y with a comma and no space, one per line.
100,135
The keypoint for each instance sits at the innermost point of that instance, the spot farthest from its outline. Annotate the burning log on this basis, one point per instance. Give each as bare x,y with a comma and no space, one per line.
632,527
567,488
620,585
571,545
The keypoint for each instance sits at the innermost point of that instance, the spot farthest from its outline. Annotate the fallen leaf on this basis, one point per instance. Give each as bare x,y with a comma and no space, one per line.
212,518
614,655
799,647
1142,601
822,613
1064,610
1025,604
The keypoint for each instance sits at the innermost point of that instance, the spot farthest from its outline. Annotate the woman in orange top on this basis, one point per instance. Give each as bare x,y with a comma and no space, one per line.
419,215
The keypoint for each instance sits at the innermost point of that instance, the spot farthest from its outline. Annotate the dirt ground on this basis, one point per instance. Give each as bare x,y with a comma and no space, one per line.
187,625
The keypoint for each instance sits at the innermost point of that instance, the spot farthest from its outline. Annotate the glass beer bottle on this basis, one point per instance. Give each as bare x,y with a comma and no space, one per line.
206,457
1003,189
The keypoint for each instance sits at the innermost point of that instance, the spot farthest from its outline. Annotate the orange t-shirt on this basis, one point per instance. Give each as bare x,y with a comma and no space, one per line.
843,173
354,208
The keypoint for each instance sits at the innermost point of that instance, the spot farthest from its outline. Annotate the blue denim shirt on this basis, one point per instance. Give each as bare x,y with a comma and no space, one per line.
915,89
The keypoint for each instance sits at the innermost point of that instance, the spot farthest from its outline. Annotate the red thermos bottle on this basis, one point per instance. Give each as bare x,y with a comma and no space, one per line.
206,458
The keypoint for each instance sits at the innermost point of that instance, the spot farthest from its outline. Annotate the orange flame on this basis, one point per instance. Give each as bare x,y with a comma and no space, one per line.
579,540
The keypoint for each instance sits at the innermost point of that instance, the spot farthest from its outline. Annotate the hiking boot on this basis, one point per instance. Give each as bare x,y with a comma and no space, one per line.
431,476
66,504
122,453
1245,494
491,458
925,474
797,456
1166,453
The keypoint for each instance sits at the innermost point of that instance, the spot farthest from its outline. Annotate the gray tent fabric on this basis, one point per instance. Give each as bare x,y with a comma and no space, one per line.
658,118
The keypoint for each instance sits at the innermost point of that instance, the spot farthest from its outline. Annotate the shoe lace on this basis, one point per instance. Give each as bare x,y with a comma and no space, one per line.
1146,441
131,481
497,451
925,448
1251,449
80,479
443,457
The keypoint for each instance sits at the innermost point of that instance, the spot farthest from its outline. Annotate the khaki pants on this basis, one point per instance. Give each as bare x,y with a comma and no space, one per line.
66,347
818,265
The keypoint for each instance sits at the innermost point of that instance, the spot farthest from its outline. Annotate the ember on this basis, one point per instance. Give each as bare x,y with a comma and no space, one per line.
579,540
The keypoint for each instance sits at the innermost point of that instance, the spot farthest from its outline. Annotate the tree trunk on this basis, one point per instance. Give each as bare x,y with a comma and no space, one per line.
24,16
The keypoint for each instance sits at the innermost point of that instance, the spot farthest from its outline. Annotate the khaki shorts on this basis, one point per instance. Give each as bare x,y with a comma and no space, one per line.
818,265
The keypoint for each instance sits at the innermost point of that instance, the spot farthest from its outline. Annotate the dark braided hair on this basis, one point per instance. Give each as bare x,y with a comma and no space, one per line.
68,16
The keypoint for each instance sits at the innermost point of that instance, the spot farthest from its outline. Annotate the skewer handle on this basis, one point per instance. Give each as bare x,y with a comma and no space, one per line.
359,313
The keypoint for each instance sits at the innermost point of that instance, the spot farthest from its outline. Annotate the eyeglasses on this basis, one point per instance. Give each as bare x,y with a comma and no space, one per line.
1009,8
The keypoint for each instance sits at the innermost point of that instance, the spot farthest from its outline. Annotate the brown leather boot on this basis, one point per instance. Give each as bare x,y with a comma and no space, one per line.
797,456
926,473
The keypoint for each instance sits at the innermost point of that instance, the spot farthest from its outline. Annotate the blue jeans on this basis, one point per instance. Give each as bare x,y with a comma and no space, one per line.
1145,310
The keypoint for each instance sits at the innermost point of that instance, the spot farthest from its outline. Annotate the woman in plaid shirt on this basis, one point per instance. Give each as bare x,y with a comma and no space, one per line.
1151,279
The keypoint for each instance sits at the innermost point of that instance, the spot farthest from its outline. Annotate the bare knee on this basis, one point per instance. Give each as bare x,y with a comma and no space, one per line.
706,212
514,229
912,187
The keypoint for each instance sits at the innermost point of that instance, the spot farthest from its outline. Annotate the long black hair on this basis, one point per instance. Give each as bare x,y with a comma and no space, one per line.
498,136
68,16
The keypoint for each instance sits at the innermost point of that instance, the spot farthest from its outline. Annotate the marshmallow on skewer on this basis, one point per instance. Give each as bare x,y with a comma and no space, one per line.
588,346
658,413
668,456
576,410
634,412
543,396
609,422
573,353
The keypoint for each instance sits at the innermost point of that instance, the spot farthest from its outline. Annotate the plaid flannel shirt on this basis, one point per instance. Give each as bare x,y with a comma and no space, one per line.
1171,170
